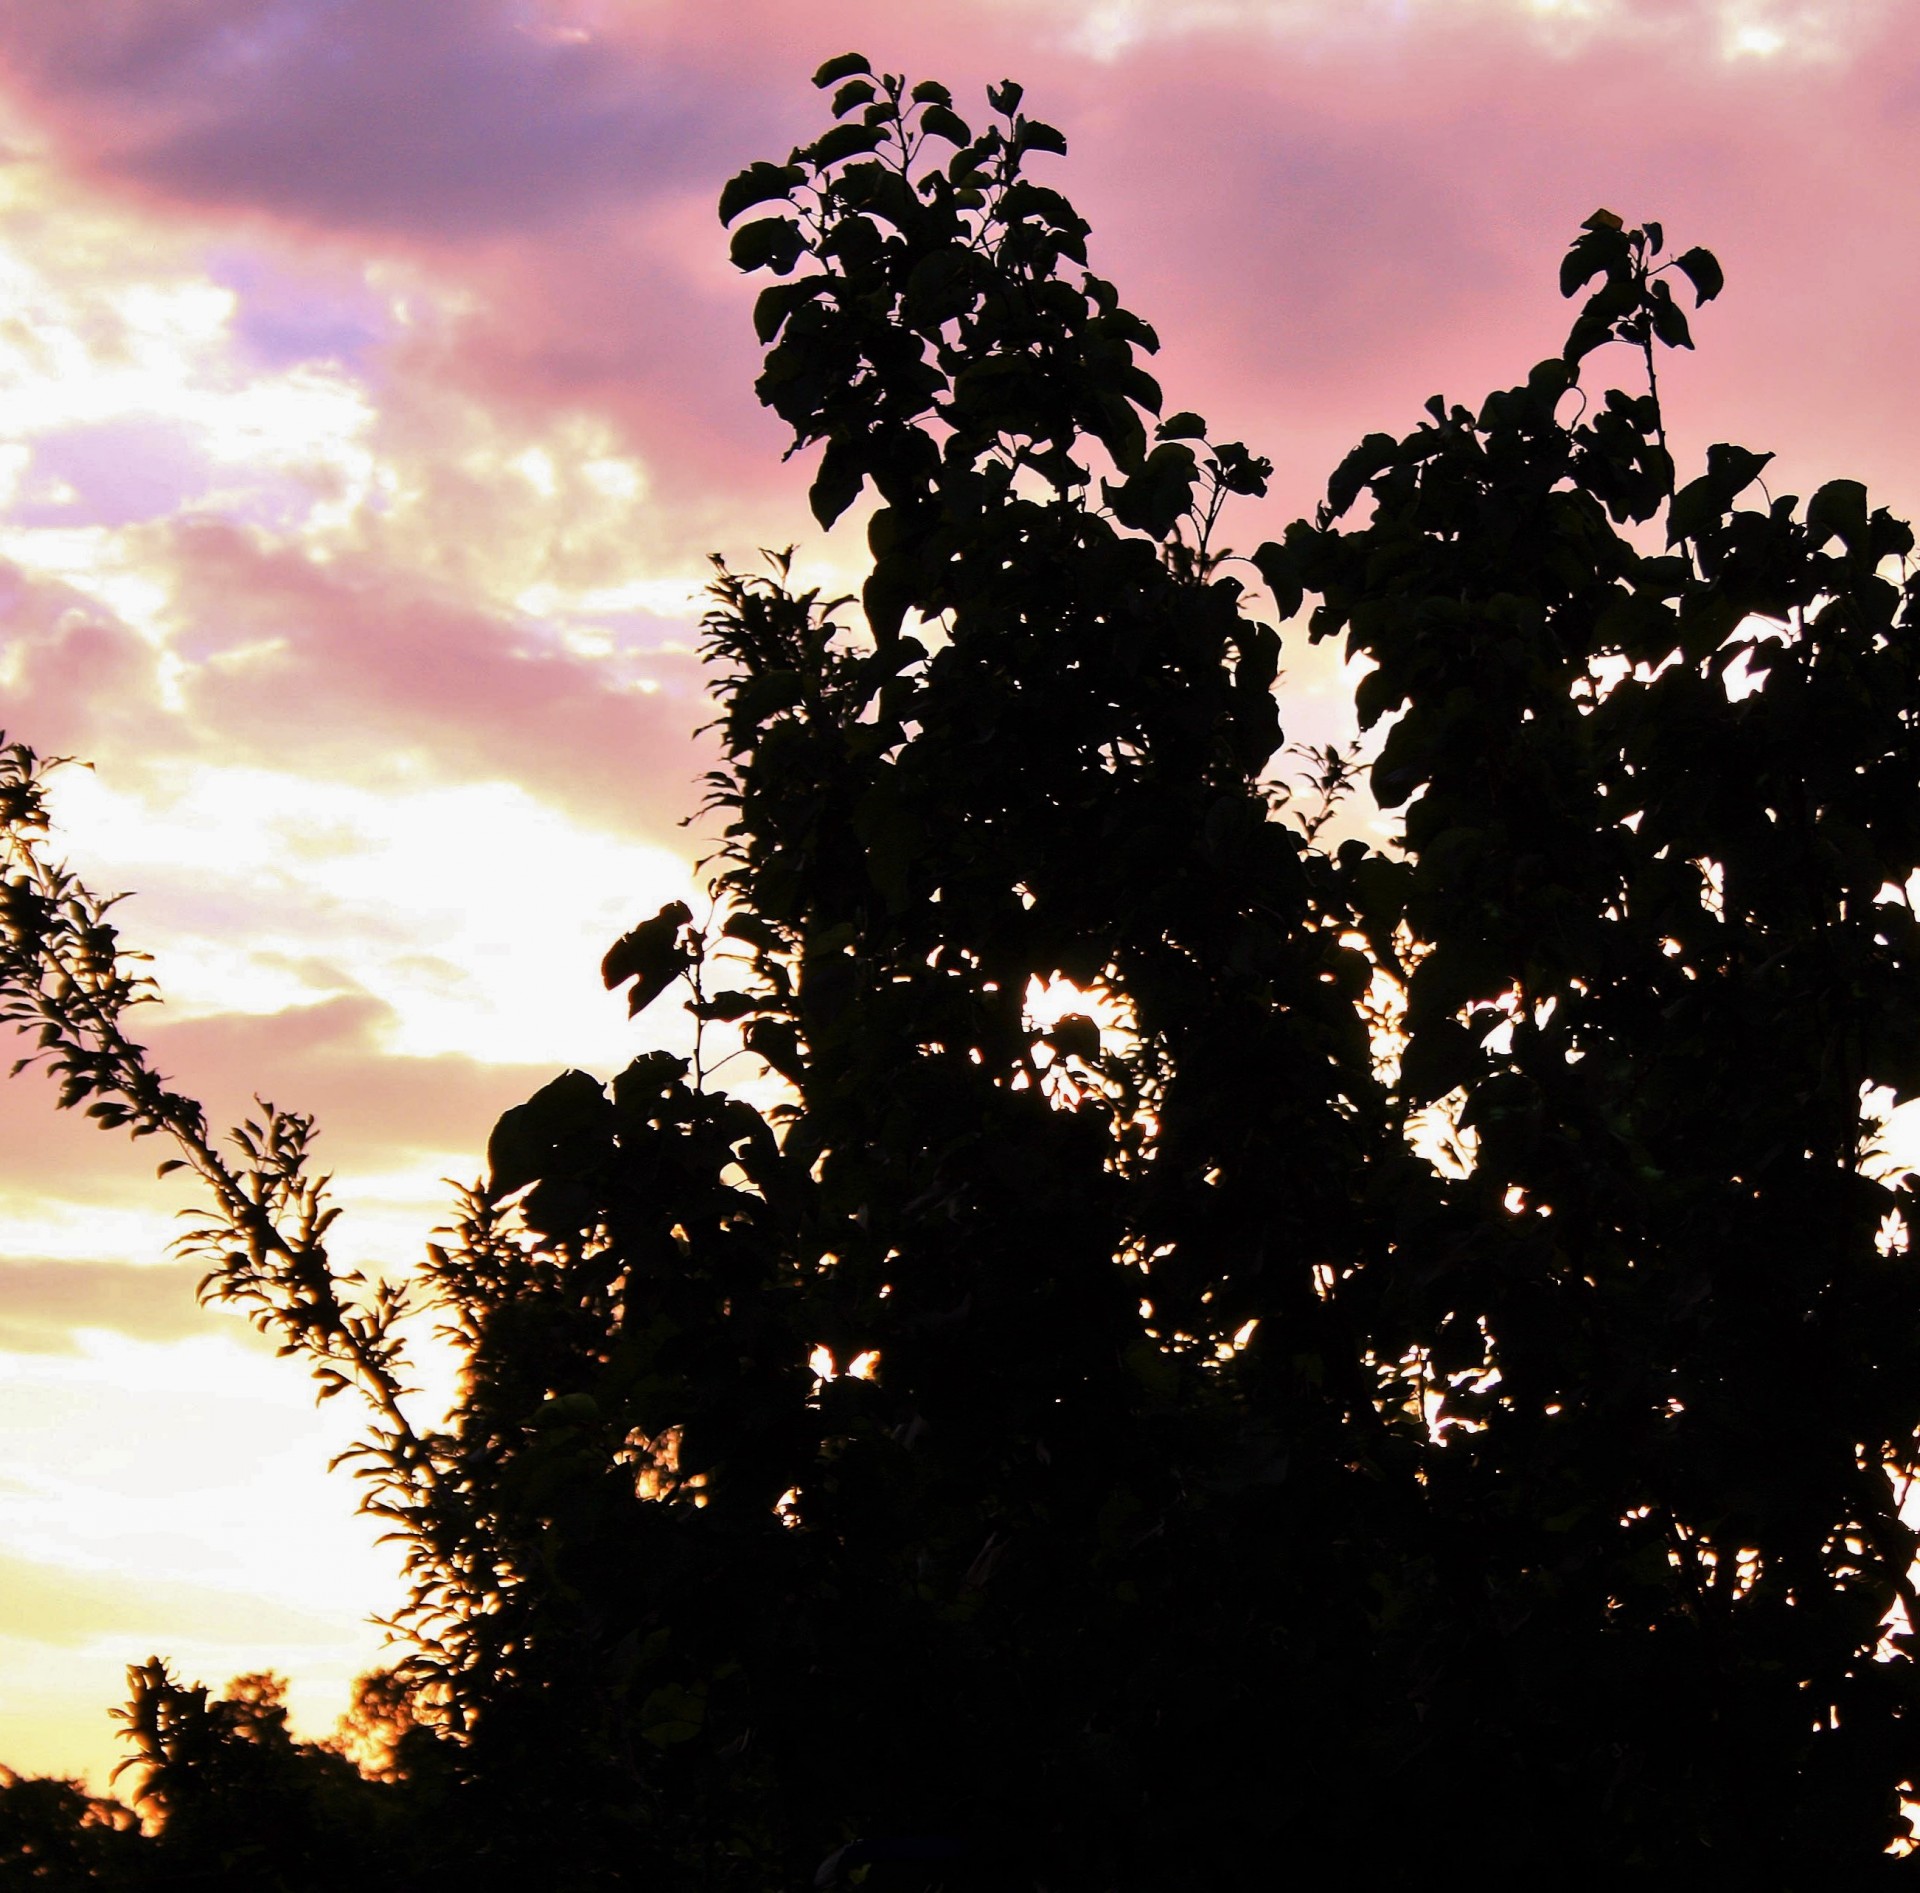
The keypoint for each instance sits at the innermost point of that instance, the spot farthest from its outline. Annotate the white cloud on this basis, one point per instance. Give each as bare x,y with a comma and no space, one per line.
1812,29
475,911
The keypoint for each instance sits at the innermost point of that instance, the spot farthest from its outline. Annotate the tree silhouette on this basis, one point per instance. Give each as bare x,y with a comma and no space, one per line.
1422,1363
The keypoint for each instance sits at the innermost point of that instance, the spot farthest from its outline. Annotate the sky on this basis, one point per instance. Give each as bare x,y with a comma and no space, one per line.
373,389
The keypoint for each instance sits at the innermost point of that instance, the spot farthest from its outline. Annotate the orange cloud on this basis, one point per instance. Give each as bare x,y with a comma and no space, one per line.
43,1303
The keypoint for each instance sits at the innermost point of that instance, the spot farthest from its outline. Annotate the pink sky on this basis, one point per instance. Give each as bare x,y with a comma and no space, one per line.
376,386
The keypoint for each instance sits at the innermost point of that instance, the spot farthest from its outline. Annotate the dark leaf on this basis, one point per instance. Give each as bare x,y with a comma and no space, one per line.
1373,456
1698,507
1076,1036
724,1006
779,300
1589,332
1734,469
759,184
651,956
844,67
942,122
843,142
1582,263
1280,569
1669,321
527,1139
1240,471
1701,504
1702,269
837,484
774,243
1156,498
1839,508
755,931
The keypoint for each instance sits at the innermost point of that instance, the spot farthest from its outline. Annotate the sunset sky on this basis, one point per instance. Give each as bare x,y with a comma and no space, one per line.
375,387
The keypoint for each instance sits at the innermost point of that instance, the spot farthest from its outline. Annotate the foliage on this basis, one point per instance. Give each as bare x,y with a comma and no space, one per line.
1422,1363
231,1800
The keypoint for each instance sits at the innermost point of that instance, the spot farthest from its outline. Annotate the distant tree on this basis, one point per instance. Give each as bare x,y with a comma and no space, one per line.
1419,1368
54,1836
231,1799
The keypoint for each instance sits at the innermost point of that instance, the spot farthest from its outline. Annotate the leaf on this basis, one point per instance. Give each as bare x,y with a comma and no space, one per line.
1436,1058
941,122
1259,661
725,1006
1031,135
1240,471
844,67
930,92
1891,538
1734,469
893,838
1602,250
1839,508
1550,379
1156,497
1604,219
651,955
1669,321
527,1138
1076,1036
837,484
854,92
774,243
777,1041
672,1715
891,590
1149,1364
1581,264
778,301
1374,455
759,183
1185,425
1697,508
1702,269
843,142
567,1409
1701,504
1005,97
1588,333
755,931
1281,571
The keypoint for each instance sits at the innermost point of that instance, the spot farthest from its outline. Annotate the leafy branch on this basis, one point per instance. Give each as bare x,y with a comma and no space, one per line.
68,981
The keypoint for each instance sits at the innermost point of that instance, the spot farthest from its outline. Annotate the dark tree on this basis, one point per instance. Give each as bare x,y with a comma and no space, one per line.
1421,1368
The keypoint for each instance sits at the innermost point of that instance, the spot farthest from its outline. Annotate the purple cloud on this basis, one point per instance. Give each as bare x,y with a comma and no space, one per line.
445,122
